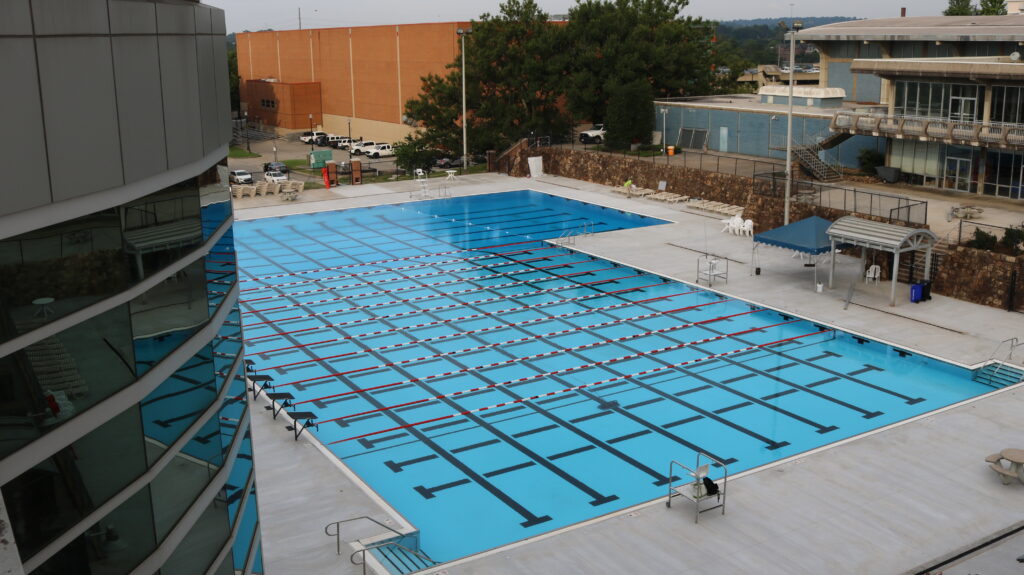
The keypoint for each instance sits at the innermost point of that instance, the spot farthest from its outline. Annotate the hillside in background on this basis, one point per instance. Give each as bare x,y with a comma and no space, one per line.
809,22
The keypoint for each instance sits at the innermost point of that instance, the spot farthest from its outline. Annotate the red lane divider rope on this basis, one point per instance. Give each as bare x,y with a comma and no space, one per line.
575,388
252,340
406,277
399,277
435,296
528,377
407,258
430,285
525,358
485,329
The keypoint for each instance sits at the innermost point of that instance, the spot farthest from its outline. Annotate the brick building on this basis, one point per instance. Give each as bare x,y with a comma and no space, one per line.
352,80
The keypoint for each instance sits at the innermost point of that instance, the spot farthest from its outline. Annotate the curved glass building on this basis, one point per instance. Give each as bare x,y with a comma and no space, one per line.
124,434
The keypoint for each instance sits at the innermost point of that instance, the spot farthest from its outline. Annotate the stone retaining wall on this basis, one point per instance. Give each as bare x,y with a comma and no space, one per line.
982,277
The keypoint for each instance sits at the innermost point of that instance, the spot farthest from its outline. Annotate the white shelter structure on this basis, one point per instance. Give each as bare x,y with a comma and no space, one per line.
884,237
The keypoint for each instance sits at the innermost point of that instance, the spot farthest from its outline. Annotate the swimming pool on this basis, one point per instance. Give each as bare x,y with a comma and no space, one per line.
492,386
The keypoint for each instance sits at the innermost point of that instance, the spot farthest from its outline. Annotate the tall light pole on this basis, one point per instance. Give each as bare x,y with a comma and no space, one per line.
245,124
796,26
664,130
311,134
463,32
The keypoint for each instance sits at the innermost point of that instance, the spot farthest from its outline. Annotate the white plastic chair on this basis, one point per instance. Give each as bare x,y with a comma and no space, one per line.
748,228
421,176
873,273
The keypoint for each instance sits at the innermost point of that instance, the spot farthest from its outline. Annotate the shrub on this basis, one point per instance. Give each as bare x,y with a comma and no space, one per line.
982,240
869,159
1013,240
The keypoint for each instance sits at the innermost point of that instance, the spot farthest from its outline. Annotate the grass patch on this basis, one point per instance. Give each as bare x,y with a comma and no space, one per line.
235,152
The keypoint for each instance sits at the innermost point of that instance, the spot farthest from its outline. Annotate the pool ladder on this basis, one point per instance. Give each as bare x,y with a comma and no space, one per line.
996,373
569,236
400,555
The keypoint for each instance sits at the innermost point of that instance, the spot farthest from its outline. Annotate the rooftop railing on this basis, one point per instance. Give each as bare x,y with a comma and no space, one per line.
1005,135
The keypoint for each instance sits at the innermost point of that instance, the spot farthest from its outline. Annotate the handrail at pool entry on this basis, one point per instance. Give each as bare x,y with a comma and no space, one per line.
414,552
337,531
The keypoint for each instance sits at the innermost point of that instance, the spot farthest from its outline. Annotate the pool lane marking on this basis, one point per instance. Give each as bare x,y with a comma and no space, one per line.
530,518
532,377
400,277
577,387
906,398
438,295
540,245
484,329
362,274
471,316
506,361
427,285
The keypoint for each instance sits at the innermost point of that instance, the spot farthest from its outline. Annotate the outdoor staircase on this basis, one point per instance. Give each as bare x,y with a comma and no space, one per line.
807,157
912,264
998,375
400,559
833,140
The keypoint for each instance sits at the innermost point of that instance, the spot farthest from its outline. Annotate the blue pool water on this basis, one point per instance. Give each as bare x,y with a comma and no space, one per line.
493,386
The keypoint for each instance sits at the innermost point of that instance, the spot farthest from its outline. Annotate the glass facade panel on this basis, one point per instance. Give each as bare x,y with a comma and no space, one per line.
961,102
1003,175
114,546
204,541
246,531
56,494
52,272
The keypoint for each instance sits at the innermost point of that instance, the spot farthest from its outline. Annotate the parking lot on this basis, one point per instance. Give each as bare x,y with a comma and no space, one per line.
290,148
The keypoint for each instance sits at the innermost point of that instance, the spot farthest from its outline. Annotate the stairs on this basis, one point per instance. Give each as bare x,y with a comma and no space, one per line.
833,140
912,264
400,559
807,157
998,375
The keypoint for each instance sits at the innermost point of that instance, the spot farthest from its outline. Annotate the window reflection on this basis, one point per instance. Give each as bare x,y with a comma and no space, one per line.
119,542
167,315
52,272
56,494
202,544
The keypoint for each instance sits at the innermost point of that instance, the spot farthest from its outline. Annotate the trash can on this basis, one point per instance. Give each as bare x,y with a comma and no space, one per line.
916,292
671,150
926,290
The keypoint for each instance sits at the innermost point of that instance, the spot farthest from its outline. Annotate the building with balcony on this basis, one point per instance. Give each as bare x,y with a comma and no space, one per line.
938,96
124,434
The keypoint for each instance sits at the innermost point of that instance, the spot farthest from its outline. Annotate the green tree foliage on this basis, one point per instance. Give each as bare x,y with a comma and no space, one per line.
513,64
414,152
992,7
959,8
614,43
630,115
233,78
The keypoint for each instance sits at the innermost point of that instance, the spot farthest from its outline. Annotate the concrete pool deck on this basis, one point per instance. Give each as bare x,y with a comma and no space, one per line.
892,501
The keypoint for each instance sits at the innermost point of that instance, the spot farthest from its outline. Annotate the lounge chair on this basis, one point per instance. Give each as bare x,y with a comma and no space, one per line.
1004,474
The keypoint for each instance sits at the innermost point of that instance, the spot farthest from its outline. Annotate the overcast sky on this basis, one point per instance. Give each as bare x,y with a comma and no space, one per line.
284,14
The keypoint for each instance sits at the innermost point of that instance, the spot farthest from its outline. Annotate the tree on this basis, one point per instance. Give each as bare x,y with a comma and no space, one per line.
959,8
630,115
613,43
512,81
233,78
414,152
992,8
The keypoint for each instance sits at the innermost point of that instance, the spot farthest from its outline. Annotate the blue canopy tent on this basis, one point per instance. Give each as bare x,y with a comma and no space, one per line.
808,236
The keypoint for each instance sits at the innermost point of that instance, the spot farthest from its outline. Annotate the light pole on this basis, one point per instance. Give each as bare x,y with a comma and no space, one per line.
664,132
350,138
245,124
797,25
311,134
463,32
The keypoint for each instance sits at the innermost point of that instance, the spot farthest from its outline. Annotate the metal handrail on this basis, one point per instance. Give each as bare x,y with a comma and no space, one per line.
1014,344
337,532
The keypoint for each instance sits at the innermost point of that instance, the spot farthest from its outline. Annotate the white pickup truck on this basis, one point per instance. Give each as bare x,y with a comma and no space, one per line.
308,137
361,147
380,151
593,136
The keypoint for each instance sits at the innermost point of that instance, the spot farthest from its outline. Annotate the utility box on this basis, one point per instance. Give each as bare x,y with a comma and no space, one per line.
357,172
